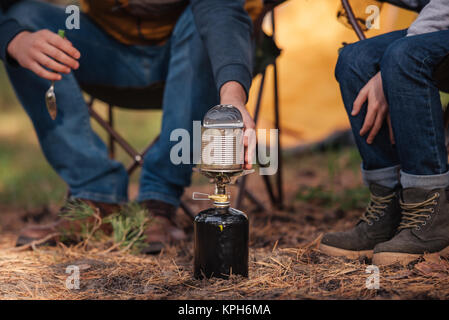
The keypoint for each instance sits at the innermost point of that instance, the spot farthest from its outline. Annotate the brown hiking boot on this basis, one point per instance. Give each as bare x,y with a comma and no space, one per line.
424,228
53,232
377,224
162,229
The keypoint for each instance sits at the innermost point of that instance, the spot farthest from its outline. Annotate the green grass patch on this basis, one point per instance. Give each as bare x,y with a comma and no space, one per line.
8,98
336,161
128,226
26,179
347,199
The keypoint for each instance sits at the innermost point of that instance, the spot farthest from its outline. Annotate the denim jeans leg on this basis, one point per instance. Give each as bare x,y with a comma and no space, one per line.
415,107
71,147
387,177
190,91
357,64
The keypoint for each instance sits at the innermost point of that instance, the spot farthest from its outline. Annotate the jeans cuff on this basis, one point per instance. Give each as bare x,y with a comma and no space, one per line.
99,197
430,182
151,195
387,177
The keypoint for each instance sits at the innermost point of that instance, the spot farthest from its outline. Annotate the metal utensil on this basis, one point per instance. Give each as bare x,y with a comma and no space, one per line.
50,96
50,100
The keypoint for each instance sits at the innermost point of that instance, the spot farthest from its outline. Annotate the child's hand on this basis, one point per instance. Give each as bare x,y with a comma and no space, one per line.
42,50
377,109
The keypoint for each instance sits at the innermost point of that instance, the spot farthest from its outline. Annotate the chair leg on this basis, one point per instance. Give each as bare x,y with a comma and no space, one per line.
259,205
242,181
116,137
280,194
353,20
111,145
278,199
137,162
279,182
113,137
266,179
269,187
241,192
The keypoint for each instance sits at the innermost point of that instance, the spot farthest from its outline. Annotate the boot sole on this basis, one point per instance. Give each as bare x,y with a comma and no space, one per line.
350,254
388,258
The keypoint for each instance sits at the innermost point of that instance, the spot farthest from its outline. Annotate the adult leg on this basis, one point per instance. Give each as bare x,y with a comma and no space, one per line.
190,91
77,154
417,120
415,107
357,64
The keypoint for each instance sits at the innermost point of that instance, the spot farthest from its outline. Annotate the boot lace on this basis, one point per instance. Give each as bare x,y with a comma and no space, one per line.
415,214
376,208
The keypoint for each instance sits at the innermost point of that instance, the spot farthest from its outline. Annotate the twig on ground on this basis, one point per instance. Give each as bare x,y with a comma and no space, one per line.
35,243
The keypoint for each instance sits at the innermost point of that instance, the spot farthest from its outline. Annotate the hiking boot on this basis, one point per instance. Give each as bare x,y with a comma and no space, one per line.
377,224
162,230
54,232
424,228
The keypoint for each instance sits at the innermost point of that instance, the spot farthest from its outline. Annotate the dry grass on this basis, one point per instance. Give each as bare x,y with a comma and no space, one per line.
284,262
276,273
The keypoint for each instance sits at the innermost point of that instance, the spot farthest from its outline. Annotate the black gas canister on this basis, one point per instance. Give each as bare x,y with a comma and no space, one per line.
221,232
221,243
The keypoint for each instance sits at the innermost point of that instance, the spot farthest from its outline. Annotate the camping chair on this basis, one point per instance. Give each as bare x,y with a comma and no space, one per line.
441,72
150,98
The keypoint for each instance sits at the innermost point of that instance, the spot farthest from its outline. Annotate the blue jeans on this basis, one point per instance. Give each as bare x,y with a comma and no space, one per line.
77,154
406,65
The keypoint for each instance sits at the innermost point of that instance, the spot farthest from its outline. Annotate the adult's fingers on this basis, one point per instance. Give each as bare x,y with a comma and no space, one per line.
63,44
51,64
247,157
248,164
376,128
359,101
249,142
41,72
60,56
251,154
369,120
390,129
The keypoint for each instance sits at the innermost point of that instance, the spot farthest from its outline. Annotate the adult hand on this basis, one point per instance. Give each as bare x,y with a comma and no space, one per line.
43,49
233,93
377,109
